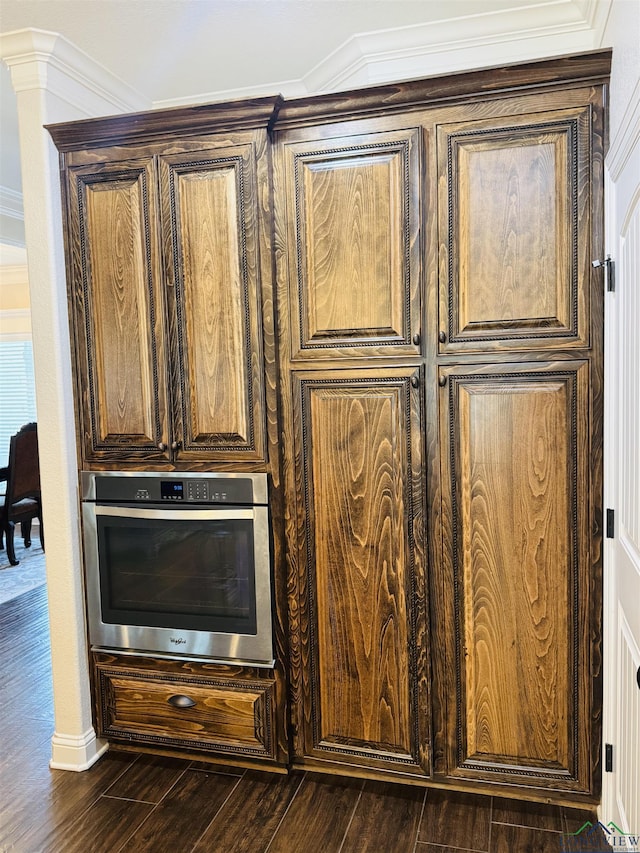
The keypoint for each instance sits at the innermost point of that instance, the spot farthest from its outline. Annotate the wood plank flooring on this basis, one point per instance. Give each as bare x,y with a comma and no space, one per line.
129,803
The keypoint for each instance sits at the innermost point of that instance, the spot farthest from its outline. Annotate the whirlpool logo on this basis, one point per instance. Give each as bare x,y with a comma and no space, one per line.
178,641
598,838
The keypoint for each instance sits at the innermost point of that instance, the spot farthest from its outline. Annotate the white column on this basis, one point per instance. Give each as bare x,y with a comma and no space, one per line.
54,81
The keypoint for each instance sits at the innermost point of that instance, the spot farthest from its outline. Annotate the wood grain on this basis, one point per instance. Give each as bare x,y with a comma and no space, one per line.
518,462
230,716
318,817
513,219
210,233
44,809
456,820
355,447
354,242
121,320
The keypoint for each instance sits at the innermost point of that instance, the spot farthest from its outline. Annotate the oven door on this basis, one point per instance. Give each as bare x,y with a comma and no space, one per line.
195,582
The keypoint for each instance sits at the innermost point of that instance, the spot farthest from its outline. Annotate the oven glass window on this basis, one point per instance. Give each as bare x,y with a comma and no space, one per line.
195,575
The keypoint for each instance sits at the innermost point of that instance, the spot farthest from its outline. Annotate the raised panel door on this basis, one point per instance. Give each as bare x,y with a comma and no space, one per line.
354,257
210,227
119,310
514,231
516,493
363,619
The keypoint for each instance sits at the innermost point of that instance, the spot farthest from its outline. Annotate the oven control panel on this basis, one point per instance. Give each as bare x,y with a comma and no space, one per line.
180,489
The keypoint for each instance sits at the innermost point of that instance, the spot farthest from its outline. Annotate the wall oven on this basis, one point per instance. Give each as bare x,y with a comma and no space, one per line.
179,564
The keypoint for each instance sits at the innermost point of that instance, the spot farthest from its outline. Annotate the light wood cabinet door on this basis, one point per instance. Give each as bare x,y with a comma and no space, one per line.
522,671
353,244
210,231
515,231
117,298
360,646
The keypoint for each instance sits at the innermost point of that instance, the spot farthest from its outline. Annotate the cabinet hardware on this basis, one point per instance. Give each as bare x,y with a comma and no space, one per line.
609,272
181,701
608,758
415,382
611,524
416,339
162,446
638,677
176,445
442,337
442,381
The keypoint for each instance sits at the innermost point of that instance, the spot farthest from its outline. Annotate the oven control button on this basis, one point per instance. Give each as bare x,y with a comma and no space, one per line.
142,495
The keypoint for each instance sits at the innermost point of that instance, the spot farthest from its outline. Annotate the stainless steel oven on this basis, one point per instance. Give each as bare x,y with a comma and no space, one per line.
179,564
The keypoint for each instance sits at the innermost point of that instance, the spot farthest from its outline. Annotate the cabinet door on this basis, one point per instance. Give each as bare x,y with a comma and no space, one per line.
514,226
118,310
362,617
210,226
517,492
354,255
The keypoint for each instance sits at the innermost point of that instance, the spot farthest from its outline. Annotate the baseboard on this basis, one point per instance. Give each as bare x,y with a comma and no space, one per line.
76,753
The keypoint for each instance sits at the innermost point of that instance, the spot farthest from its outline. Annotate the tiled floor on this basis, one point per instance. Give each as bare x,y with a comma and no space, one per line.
136,803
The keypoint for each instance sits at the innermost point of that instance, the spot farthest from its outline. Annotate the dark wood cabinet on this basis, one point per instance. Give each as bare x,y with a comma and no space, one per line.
118,309
448,477
353,252
423,384
515,228
167,253
363,624
219,711
517,486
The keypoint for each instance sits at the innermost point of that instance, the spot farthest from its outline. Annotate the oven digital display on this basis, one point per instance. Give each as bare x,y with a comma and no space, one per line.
171,490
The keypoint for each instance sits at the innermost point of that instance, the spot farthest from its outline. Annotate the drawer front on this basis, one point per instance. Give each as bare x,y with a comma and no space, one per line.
229,716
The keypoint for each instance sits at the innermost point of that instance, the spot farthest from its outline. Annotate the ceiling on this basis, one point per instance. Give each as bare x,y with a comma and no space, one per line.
180,51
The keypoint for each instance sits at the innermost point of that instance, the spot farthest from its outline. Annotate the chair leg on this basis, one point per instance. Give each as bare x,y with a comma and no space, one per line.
41,530
25,527
11,554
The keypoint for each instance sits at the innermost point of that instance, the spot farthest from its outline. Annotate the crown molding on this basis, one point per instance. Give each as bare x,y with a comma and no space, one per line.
458,44
627,139
39,59
11,203
455,44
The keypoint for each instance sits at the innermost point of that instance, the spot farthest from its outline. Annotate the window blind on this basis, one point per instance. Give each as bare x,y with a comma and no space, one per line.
17,391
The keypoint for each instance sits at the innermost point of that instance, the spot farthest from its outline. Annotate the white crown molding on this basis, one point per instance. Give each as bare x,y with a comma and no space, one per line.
596,13
543,29
519,34
627,139
11,204
287,88
39,59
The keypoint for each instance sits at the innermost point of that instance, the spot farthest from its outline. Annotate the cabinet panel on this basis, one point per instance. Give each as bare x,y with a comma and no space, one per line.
355,243
225,715
361,455
120,313
210,213
515,230
516,488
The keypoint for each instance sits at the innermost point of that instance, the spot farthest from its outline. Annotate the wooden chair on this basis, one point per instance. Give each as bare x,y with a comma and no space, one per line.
22,501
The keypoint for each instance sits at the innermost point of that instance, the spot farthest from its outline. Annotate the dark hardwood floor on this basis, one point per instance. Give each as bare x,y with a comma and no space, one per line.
137,803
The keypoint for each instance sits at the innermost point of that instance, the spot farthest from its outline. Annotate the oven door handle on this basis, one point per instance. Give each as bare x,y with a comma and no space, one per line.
171,513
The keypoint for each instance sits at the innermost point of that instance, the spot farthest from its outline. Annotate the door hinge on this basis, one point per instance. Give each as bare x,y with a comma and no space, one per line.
609,272
611,524
608,758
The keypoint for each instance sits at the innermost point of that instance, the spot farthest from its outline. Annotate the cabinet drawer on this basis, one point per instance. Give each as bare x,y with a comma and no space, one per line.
221,715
